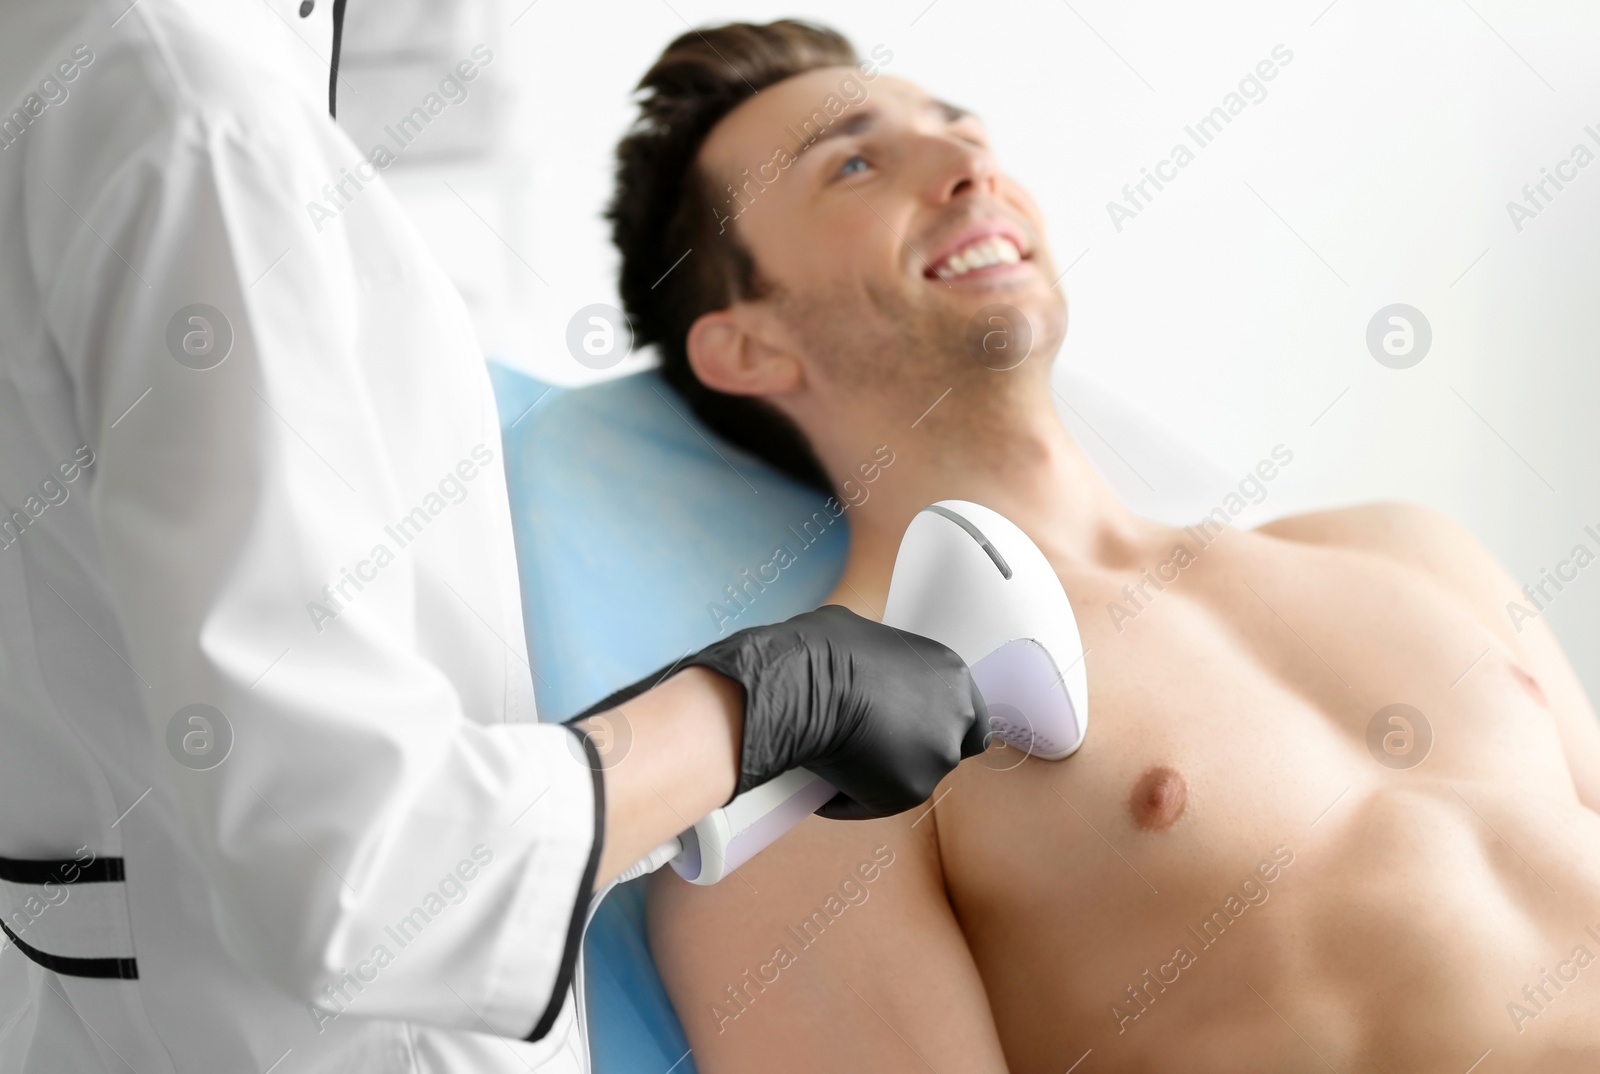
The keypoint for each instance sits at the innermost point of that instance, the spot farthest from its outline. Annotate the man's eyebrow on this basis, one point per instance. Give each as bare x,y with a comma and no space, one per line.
862,119
952,112
867,116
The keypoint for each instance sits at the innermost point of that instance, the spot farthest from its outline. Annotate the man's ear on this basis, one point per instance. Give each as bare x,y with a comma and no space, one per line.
731,350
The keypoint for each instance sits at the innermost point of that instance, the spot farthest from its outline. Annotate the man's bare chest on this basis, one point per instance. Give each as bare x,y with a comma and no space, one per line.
1295,753
1230,706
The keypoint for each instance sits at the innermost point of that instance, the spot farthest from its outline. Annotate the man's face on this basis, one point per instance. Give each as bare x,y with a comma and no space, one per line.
854,199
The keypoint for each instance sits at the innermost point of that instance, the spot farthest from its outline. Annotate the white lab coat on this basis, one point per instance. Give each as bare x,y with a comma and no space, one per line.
383,871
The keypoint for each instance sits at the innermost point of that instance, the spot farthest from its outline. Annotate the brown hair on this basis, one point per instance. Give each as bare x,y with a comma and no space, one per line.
663,207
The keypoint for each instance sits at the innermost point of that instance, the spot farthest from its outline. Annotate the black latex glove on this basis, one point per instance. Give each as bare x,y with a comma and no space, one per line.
880,713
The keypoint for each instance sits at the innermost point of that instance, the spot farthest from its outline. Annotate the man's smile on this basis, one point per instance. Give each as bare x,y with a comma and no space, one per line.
981,252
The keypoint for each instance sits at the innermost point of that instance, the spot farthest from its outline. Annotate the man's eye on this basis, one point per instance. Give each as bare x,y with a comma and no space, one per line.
845,169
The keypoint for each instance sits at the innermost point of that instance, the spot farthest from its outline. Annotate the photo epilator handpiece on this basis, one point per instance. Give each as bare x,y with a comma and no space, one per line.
970,579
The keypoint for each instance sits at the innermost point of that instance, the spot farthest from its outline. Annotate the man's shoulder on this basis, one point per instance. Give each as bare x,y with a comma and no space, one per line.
1384,526
1410,534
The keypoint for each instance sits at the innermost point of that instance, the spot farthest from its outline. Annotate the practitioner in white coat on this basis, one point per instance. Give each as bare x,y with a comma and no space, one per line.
274,792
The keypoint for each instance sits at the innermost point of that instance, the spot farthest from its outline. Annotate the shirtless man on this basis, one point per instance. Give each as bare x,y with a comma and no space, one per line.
1253,863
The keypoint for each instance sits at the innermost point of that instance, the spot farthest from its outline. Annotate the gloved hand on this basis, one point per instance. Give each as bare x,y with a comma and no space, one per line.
880,713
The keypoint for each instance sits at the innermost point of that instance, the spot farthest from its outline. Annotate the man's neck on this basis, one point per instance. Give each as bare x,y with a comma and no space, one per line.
1014,457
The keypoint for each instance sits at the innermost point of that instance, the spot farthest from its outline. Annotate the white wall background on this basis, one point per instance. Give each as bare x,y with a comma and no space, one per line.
1235,307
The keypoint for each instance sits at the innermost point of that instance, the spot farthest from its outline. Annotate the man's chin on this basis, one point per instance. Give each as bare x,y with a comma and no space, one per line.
1002,327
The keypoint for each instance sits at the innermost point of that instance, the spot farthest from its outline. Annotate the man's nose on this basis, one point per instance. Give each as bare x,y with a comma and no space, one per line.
958,168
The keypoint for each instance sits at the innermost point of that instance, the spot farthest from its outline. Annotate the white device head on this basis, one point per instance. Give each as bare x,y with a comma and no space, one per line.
969,578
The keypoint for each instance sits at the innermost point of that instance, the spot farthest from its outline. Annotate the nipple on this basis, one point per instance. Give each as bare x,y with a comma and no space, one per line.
1158,799
1531,684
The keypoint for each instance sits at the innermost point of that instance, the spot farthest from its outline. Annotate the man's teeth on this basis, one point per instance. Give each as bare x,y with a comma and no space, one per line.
994,250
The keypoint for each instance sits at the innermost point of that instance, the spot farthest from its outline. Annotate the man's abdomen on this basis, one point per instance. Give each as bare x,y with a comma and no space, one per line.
1400,933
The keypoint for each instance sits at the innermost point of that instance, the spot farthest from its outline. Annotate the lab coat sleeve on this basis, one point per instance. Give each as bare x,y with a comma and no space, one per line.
376,850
